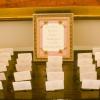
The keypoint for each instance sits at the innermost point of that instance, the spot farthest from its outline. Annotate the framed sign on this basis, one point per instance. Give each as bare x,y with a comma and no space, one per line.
53,36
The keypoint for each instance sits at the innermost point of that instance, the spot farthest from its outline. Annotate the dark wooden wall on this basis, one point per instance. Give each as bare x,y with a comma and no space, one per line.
47,3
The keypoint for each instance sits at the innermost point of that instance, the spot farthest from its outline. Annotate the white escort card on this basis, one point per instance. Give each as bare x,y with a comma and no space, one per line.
96,49
89,68
90,84
84,62
3,67
22,76
25,56
2,76
55,59
54,85
97,56
6,55
84,55
23,85
1,86
88,75
54,69
55,76
8,50
4,60
23,68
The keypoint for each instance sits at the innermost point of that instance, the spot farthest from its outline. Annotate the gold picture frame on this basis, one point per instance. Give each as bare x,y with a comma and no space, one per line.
53,36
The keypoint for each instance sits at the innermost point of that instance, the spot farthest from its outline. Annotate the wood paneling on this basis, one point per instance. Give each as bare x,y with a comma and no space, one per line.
47,3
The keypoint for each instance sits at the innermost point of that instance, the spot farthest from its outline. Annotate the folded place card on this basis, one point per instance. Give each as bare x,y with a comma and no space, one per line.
54,85
84,62
22,76
97,56
55,76
90,68
8,50
98,63
27,56
56,64
55,59
90,84
6,55
3,67
23,68
2,76
4,60
88,75
84,55
96,49
23,85
54,69
1,86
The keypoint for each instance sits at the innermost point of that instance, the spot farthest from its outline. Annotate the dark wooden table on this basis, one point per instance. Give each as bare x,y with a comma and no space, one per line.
71,90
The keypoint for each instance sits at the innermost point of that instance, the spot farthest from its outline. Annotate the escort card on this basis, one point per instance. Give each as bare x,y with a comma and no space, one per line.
54,85
96,49
23,56
54,69
2,76
23,85
1,86
84,55
88,75
8,50
3,67
22,76
6,55
97,56
55,59
55,76
90,84
84,62
23,68
89,68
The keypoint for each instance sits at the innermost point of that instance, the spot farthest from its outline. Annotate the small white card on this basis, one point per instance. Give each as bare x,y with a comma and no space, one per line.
90,68
83,62
88,75
97,56
56,64
55,59
54,85
3,67
22,76
8,50
1,86
23,85
23,68
96,49
55,75
90,84
54,69
25,56
2,76
4,60
84,55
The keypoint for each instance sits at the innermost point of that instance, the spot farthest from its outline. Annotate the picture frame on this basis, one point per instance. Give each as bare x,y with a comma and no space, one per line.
53,36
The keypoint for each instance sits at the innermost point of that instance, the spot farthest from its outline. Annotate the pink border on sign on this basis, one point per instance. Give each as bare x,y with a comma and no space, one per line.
66,51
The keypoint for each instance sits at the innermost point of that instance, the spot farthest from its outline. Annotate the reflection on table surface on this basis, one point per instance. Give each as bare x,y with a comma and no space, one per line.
71,90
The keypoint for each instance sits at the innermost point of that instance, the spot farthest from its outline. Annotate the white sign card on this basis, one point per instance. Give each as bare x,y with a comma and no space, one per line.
8,50
54,85
22,76
23,85
90,84
53,36
55,76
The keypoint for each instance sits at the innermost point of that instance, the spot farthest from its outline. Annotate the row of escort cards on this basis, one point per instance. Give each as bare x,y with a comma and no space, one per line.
88,69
